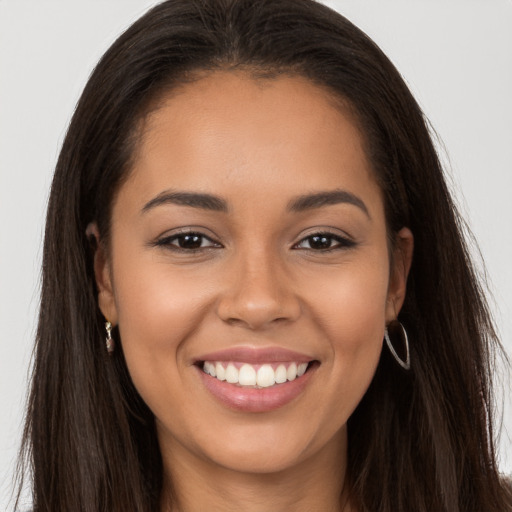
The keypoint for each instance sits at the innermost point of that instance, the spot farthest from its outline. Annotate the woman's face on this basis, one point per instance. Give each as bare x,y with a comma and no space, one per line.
249,241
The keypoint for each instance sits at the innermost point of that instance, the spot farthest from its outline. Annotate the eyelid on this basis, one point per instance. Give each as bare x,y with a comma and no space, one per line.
344,241
169,236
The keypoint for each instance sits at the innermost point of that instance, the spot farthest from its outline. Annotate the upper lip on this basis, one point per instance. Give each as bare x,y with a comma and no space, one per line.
254,355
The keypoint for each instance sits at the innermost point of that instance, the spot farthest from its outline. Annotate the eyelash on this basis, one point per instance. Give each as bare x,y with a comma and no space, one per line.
168,242
341,242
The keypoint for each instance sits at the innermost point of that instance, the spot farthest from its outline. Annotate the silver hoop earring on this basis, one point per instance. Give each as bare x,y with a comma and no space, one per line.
406,365
109,342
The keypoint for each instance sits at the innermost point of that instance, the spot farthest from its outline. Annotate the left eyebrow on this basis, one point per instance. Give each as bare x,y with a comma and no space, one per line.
326,198
192,199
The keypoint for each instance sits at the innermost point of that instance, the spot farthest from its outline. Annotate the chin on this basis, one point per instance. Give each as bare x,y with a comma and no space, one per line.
272,448
257,461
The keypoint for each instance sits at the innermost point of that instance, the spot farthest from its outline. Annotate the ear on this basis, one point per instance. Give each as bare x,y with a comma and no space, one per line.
103,275
402,260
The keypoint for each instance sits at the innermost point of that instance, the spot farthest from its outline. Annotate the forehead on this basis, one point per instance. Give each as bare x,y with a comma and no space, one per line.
227,130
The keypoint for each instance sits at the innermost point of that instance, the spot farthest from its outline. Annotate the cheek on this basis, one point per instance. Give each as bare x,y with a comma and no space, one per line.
350,313
351,304
158,311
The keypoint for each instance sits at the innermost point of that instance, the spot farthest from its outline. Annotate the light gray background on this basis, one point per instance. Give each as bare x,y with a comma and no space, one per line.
455,54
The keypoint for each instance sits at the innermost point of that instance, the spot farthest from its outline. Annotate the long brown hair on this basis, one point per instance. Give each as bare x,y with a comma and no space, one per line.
420,440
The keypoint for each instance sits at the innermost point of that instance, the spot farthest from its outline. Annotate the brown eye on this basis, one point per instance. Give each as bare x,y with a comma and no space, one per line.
320,242
187,242
324,242
192,241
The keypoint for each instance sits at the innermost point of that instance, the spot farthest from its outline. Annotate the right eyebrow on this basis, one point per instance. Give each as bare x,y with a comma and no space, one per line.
326,198
192,199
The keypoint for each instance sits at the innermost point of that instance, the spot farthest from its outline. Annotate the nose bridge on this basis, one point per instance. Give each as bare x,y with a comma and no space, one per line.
259,278
259,291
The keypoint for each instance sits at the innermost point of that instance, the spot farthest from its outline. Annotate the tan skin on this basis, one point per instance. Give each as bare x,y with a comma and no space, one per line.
257,278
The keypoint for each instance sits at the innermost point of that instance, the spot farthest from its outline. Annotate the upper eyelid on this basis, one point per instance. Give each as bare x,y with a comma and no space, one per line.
339,238
185,233
165,240
199,230
193,230
328,231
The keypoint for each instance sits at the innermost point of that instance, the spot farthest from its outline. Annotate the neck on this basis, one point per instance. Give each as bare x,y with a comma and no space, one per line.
316,483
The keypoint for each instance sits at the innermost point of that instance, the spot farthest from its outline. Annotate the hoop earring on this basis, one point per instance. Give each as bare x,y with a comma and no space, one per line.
109,342
406,365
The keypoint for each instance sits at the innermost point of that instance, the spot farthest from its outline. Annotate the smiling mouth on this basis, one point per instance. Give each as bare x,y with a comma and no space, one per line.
255,376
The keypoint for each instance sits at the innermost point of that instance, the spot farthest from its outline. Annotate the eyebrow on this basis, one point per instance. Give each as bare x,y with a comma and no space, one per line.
215,203
193,199
326,198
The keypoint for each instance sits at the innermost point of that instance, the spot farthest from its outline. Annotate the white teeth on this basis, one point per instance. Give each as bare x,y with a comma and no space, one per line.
247,375
291,373
232,374
220,371
263,376
280,374
210,369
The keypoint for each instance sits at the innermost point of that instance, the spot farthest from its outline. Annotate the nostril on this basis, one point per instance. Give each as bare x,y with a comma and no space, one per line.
256,316
255,302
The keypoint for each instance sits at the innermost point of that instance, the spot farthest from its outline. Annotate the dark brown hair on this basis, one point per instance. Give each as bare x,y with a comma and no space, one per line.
420,440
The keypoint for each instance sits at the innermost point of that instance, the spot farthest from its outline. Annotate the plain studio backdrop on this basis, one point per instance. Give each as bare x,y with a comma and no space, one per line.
456,55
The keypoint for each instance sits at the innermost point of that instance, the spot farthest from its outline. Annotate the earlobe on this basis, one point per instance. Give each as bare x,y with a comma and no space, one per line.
102,275
402,260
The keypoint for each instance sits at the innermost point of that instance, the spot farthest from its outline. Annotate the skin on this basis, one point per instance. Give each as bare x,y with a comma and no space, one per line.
257,281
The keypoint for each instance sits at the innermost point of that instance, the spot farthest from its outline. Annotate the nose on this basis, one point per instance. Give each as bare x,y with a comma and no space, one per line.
259,293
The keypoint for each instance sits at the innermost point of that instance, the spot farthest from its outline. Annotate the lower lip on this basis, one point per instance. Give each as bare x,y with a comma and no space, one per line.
256,400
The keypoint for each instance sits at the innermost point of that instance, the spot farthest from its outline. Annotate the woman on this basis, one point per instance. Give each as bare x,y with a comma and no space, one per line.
256,295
